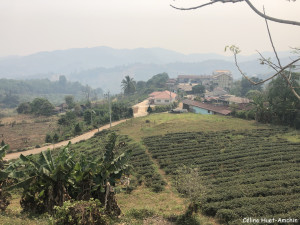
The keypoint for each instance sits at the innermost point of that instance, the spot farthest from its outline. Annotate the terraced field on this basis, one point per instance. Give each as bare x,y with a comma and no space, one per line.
251,173
143,168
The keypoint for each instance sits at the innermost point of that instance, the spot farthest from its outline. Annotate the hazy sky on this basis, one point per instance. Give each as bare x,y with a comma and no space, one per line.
44,25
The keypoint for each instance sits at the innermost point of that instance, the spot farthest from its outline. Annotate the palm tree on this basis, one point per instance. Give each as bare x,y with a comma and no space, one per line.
128,85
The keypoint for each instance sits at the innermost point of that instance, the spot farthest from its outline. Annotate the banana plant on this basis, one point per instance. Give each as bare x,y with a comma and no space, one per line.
95,178
113,166
4,195
47,180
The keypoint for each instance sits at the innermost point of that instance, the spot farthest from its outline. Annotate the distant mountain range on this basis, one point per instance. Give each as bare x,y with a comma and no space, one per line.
105,67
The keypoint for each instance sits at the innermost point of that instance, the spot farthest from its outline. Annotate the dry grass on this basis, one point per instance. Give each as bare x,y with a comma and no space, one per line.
23,131
163,203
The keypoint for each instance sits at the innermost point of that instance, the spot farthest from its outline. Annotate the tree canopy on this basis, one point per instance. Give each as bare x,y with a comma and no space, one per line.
128,85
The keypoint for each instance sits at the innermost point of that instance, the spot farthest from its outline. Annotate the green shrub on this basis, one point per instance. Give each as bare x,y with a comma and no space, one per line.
81,213
48,138
140,213
157,187
226,215
55,138
162,108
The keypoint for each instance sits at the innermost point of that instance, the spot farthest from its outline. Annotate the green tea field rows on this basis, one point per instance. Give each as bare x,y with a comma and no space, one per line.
143,168
251,173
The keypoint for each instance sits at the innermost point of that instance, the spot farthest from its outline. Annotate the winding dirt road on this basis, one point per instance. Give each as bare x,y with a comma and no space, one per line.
84,136
141,111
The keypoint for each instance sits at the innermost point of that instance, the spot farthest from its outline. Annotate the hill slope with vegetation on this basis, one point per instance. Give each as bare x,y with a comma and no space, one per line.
185,164
12,92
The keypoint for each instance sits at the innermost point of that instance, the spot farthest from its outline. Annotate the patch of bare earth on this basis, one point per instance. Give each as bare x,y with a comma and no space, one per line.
23,131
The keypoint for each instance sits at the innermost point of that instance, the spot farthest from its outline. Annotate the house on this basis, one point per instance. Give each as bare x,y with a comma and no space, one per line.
215,93
188,88
219,78
171,82
205,108
194,79
162,98
222,79
61,108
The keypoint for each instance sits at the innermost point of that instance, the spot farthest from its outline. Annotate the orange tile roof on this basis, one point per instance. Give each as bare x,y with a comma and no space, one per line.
162,95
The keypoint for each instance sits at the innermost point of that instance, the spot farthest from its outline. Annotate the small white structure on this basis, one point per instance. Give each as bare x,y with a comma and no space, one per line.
162,98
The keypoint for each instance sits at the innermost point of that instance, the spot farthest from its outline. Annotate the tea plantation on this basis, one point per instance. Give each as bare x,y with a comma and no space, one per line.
250,173
143,168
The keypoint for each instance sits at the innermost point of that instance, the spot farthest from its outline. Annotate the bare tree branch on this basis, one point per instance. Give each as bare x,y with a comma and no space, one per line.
271,18
196,7
250,5
271,40
269,62
288,80
263,81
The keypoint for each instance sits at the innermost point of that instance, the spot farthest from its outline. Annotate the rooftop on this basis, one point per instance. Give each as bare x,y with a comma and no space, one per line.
162,95
224,110
194,76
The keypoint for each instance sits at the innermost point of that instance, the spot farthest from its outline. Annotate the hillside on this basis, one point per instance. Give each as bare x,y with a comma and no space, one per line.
104,66
261,160
13,92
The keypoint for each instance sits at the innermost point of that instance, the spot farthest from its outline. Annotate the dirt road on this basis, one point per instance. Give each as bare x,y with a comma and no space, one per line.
84,136
141,111
141,108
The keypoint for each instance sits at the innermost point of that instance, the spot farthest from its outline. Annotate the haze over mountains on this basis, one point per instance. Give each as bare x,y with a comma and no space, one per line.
105,67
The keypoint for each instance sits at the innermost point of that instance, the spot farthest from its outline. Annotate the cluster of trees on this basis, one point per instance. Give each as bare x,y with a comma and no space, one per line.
157,82
80,118
276,104
41,86
9,100
244,88
49,181
12,92
39,106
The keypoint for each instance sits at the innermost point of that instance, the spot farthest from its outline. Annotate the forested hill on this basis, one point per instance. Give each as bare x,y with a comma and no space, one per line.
13,92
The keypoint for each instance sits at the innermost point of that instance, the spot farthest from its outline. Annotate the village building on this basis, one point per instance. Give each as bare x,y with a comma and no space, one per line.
222,79
162,98
205,108
194,79
219,78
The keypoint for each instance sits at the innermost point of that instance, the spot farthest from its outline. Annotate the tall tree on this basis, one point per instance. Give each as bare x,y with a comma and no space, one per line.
128,85
198,89
285,105
69,99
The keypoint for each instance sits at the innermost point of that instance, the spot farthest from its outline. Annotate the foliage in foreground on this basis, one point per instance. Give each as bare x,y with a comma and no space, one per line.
4,195
81,213
143,169
51,181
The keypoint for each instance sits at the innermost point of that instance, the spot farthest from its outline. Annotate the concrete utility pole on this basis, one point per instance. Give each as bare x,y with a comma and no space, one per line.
109,108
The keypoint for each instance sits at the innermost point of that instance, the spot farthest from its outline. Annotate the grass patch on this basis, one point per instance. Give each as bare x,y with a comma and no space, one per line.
164,203
14,216
163,123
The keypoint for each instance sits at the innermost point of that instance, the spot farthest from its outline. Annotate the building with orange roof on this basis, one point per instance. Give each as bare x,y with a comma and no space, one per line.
162,98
